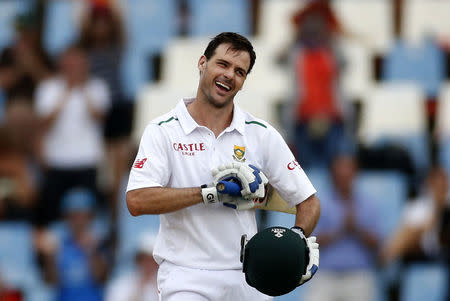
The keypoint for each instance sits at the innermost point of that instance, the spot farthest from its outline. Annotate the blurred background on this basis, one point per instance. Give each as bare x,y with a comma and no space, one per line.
359,89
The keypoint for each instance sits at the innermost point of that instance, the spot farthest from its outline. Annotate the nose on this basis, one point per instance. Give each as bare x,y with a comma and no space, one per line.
228,74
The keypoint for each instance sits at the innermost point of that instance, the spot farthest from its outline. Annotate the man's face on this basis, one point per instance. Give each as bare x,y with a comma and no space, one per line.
223,75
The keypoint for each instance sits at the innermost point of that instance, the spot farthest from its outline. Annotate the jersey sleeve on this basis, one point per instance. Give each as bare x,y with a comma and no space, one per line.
151,166
283,171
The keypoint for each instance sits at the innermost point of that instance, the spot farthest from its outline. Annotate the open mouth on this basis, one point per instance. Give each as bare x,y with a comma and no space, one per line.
223,87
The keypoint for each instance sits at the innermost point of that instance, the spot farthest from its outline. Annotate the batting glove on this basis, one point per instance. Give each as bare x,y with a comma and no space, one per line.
252,180
313,253
231,197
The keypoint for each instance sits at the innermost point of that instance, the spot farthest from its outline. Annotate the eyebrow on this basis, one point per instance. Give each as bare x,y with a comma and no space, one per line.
226,62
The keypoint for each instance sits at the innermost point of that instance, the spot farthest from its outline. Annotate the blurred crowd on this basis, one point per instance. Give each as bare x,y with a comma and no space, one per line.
66,119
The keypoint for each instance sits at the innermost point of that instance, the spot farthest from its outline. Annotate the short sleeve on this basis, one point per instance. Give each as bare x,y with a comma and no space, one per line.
151,166
283,171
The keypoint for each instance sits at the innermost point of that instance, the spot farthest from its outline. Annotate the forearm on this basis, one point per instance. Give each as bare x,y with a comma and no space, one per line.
99,268
308,213
157,200
49,269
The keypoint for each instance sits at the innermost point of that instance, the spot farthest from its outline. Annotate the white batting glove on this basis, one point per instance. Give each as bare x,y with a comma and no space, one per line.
210,195
313,251
252,180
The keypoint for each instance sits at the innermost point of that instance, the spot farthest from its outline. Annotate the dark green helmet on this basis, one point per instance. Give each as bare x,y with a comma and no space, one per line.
274,260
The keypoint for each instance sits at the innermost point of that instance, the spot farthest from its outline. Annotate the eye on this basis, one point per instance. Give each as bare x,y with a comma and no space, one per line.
241,73
222,64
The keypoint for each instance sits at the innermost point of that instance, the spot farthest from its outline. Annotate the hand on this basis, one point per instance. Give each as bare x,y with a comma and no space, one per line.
313,254
231,195
252,180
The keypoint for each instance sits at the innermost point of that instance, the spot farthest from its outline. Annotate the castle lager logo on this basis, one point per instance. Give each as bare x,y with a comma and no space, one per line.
239,153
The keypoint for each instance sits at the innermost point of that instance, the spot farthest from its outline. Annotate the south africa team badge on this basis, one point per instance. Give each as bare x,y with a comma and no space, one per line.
239,153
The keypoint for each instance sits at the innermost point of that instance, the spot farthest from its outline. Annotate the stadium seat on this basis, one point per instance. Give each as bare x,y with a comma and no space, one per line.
180,62
275,18
424,282
357,74
153,101
369,21
320,179
136,71
150,24
61,26
423,18
9,9
17,266
130,228
208,18
443,126
422,63
394,113
389,192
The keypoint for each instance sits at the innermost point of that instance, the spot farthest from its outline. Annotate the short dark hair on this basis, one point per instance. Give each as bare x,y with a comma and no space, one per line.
237,41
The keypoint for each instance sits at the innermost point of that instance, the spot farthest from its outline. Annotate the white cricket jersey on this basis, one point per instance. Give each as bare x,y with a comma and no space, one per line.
177,152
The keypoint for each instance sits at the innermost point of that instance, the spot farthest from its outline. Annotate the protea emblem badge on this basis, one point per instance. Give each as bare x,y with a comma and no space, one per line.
239,153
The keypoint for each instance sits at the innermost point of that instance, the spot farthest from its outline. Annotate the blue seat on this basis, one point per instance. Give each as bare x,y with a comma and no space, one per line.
136,71
423,64
17,265
211,17
424,282
320,180
60,25
9,9
130,229
389,191
150,24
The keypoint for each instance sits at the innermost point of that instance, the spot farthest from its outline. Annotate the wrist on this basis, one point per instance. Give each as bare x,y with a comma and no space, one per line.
209,194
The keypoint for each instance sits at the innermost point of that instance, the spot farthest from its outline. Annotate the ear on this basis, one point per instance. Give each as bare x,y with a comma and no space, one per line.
202,63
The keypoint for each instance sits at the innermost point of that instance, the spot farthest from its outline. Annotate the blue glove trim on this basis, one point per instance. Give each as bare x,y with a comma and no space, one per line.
255,185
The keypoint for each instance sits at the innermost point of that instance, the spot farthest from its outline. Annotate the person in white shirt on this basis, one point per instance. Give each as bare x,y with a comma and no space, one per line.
198,244
140,284
418,234
71,107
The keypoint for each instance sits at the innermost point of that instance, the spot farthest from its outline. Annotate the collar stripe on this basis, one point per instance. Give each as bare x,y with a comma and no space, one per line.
168,120
256,122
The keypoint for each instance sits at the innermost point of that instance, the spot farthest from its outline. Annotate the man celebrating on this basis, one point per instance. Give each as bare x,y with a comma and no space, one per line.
202,141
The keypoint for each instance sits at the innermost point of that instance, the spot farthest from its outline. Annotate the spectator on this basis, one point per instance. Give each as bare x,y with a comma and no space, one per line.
140,284
347,239
18,187
319,119
102,36
424,231
77,263
24,64
71,108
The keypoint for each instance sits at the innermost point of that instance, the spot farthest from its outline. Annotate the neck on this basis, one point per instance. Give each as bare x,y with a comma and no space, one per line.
214,118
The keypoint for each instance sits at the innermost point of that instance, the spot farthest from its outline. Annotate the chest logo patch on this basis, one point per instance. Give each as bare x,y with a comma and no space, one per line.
239,153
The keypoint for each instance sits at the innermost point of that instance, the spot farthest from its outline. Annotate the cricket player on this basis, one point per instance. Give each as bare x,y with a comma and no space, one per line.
184,153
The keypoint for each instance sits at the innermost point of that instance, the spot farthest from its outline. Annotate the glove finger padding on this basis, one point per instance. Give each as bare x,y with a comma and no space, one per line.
239,203
252,180
313,264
